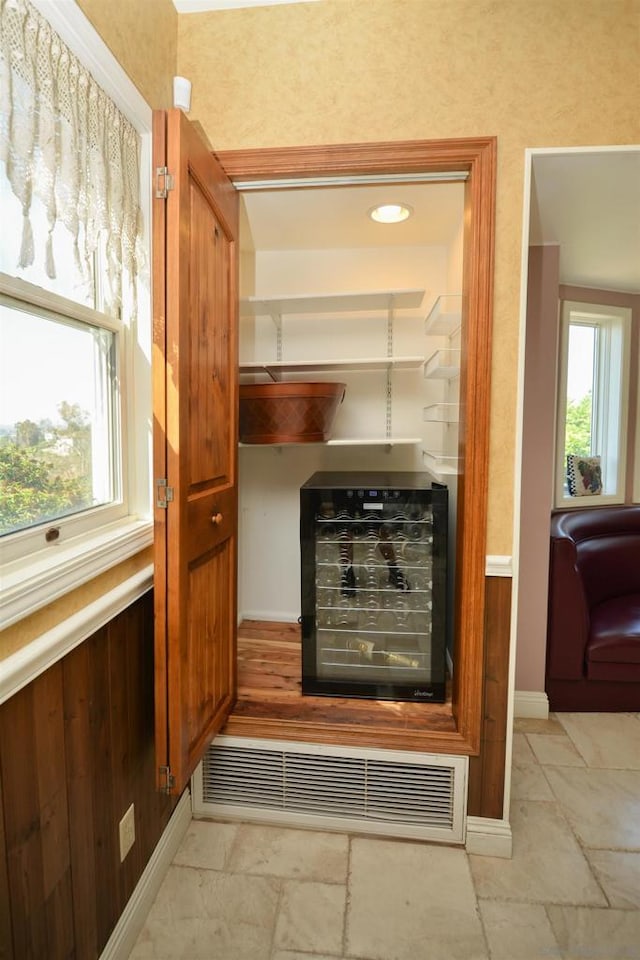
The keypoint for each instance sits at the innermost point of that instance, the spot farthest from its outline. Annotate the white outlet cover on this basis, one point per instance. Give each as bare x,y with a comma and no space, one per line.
127,832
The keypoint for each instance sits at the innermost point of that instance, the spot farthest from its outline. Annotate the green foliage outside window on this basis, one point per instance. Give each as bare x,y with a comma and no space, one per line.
45,470
578,426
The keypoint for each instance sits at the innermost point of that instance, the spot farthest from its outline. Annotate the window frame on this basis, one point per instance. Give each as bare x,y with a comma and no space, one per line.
93,542
611,321
24,543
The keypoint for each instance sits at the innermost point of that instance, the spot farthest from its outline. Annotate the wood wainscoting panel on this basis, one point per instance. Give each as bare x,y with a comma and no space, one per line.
487,770
36,822
6,936
81,748
76,749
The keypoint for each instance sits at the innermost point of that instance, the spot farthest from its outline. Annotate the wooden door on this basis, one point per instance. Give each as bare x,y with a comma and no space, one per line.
195,363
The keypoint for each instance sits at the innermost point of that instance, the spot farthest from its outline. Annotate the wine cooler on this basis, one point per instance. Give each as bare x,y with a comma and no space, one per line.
374,572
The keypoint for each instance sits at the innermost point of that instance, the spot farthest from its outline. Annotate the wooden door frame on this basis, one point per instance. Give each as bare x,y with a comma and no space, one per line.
477,157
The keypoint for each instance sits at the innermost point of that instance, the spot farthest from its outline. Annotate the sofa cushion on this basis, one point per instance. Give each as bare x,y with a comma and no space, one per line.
613,648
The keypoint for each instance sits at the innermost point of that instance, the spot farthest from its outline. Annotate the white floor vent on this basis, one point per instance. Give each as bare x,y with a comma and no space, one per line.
393,793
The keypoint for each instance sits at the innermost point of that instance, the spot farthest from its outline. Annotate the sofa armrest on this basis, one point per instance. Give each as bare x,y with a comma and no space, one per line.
568,620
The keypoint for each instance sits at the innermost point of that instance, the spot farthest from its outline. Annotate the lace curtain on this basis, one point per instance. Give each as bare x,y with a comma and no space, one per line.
64,141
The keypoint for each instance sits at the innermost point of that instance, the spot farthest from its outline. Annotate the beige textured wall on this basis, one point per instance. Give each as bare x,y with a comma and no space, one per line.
142,35
32,627
531,72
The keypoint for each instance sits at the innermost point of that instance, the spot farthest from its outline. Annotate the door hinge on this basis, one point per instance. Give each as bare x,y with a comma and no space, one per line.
164,182
167,779
164,493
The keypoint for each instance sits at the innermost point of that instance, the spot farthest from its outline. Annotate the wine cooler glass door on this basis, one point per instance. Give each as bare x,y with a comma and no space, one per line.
376,575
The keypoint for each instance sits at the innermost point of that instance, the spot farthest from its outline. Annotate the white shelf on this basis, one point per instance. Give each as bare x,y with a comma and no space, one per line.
445,316
441,464
383,303
442,413
375,442
443,365
275,367
331,303
348,442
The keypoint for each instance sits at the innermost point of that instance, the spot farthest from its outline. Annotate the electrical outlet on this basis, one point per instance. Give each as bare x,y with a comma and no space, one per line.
127,832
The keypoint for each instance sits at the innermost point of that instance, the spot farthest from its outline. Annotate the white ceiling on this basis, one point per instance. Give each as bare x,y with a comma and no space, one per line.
589,204
337,217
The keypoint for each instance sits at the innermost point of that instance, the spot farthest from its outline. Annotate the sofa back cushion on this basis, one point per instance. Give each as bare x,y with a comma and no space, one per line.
607,544
610,567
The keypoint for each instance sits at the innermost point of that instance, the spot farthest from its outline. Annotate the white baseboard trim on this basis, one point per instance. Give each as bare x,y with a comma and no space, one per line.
271,616
123,939
531,703
489,838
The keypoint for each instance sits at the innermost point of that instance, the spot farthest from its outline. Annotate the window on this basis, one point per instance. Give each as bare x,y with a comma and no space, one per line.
75,446
60,435
592,441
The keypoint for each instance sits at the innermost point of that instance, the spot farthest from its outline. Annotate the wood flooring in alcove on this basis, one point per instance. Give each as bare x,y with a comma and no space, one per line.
270,703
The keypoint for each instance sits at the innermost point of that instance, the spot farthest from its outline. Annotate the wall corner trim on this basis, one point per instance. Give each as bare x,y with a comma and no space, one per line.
489,838
497,566
125,933
531,703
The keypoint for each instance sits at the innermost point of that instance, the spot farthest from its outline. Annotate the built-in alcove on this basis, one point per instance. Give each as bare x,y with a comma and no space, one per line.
397,416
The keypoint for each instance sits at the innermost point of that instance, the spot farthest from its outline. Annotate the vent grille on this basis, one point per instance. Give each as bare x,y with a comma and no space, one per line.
350,787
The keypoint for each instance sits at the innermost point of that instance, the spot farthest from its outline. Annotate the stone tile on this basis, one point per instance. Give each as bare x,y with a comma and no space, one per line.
411,900
601,805
311,917
296,854
518,931
555,751
528,782
547,864
619,876
522,752
201,914
551,727
588,934
288,955
206,844
606,740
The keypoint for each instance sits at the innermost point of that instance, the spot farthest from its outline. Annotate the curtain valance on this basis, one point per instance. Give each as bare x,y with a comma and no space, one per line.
64,141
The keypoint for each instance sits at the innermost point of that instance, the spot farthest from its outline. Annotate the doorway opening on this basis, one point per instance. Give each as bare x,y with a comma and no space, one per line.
580,243
302,245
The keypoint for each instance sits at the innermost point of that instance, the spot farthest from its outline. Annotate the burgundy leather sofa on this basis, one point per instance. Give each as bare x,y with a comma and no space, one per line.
593,631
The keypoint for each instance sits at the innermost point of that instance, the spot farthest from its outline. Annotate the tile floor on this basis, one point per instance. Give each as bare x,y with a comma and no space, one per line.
571,890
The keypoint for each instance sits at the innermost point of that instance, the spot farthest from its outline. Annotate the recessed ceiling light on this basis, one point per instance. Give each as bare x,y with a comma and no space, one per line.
390,212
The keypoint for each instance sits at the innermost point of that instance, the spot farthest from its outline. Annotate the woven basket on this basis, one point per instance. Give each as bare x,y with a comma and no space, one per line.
288,412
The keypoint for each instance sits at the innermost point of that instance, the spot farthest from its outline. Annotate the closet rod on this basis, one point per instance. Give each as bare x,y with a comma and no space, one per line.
290,183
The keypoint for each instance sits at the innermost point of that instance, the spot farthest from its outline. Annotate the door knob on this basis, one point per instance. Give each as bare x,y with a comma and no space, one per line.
217,519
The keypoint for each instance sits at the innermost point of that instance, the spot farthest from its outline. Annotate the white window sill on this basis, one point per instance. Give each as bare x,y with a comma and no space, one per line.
577,503
29,584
